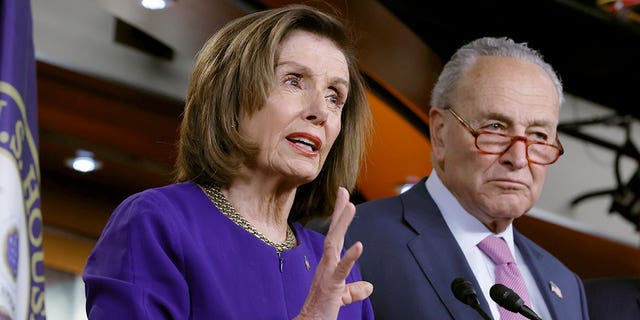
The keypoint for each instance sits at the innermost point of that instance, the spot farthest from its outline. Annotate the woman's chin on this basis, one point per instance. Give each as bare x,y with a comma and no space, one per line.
303,173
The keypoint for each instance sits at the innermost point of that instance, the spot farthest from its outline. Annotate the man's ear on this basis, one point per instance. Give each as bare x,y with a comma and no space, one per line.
437,132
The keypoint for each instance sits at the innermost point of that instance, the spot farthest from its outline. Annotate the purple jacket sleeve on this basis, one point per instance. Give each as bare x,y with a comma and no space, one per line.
134,272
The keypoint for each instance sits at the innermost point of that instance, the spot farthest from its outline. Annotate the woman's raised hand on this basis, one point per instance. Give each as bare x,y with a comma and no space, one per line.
328,290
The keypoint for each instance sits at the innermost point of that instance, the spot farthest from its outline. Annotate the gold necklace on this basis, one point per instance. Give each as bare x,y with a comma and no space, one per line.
216,196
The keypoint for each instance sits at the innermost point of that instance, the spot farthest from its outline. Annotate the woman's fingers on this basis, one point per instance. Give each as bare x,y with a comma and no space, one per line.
329,289
342,216
342,200
348,260
356,291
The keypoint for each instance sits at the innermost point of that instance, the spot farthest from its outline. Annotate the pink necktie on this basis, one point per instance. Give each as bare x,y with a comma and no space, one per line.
507,272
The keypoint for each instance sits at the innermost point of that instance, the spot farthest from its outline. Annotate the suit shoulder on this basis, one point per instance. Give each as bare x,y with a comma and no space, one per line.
379,205
378,211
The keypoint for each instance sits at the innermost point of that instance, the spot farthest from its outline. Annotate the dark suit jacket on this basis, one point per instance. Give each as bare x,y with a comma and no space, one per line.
613,298
411,257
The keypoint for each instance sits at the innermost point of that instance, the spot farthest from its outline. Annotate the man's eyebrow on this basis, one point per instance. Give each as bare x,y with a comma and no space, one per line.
498,116
506,119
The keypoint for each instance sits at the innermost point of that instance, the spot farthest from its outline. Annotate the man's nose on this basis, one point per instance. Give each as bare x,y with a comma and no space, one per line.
516,153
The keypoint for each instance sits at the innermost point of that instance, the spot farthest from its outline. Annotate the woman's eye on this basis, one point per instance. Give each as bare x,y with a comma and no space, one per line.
336,100
293,80
336,97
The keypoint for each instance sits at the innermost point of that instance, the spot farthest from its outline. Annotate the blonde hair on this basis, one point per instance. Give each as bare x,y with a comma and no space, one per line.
232,76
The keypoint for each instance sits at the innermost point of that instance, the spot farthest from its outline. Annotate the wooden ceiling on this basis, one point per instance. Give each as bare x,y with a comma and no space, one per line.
131,132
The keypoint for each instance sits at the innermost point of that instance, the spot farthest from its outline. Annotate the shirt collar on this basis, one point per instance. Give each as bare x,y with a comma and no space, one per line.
467,230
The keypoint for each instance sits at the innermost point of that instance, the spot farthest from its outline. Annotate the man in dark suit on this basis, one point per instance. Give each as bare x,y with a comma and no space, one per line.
493,133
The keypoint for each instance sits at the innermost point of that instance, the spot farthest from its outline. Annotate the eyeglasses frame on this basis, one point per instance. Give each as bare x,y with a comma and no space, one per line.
475,133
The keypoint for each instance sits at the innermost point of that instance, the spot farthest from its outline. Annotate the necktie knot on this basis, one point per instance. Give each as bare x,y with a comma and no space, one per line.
497,249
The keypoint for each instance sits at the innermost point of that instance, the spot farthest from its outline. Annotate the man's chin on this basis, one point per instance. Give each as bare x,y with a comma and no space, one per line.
508,209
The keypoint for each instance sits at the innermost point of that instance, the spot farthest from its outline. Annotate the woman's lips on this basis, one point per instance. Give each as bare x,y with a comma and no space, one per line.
308,143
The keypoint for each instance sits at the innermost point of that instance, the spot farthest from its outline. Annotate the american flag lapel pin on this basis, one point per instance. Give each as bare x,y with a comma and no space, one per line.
555,289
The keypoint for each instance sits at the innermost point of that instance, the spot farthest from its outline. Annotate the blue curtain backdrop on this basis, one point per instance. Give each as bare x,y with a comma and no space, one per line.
21,260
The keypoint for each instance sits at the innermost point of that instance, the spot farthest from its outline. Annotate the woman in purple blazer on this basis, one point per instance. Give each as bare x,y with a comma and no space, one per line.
272,135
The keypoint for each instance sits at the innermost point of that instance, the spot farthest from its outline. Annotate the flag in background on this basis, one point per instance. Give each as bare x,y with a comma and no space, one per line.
21,257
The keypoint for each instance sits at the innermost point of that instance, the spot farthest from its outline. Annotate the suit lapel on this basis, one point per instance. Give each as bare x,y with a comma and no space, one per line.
535,260
436,251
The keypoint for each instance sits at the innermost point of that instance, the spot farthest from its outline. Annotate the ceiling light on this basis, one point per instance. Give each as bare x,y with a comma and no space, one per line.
84,161
403,188
155,4
407,184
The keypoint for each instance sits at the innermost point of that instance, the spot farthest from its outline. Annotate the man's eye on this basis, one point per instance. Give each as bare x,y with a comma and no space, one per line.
540,136
496,126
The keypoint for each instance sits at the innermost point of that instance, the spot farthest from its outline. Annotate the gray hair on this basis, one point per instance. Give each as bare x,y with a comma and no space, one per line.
464,57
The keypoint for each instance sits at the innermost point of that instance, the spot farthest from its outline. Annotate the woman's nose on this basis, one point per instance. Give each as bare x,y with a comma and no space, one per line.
317,110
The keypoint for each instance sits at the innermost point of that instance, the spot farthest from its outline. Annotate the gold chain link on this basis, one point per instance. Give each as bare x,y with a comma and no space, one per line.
216,196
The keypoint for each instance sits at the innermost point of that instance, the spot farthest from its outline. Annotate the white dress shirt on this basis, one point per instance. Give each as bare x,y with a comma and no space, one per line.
468,232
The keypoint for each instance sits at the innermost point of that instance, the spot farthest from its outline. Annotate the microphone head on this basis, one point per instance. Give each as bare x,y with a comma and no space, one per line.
506,298
464,291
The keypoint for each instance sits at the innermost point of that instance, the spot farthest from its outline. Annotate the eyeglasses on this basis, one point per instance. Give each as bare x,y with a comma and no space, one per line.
497,143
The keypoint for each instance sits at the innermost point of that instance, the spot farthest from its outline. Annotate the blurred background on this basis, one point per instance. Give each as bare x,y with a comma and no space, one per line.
112,76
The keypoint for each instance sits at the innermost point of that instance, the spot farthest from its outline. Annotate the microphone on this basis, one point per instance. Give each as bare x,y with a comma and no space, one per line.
464,291
511,301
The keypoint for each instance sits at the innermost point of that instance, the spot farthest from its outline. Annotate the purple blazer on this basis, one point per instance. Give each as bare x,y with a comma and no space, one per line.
169,253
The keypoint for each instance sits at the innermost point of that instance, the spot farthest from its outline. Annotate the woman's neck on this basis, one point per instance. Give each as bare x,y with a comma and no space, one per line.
265,206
